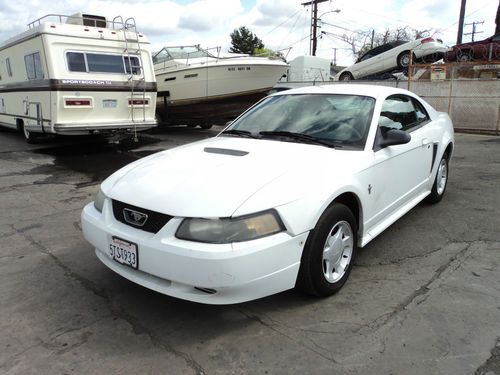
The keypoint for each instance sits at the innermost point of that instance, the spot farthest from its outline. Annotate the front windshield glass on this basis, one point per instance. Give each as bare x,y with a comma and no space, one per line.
343,120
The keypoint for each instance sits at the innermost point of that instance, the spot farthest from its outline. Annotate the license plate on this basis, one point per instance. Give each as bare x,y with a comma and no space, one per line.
109,103
124,252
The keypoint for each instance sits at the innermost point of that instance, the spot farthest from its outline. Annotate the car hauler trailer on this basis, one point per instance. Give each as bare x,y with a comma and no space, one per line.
79,74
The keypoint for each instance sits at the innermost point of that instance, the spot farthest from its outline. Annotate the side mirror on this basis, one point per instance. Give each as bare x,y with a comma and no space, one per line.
394,137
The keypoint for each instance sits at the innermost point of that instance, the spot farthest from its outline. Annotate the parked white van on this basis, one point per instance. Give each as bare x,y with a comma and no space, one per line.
77,74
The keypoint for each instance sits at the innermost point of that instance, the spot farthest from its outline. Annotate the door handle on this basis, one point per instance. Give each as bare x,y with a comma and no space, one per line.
425,142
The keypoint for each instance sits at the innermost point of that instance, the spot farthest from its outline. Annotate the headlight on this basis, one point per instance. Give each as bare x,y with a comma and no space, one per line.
227,230
99,200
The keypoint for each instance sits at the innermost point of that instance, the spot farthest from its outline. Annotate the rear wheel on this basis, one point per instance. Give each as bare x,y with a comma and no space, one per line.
440,182
464,56
346,76
329,252
206,126
404,60
29,137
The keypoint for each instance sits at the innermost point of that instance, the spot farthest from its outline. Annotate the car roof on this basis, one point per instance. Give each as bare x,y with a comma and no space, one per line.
373,91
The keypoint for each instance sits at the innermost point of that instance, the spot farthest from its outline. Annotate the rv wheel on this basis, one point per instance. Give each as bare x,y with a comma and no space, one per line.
30,137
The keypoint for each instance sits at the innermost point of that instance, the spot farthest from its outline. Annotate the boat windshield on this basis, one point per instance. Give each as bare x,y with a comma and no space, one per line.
183,52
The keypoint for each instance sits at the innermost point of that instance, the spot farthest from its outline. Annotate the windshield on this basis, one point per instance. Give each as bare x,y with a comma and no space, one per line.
186,52
342,120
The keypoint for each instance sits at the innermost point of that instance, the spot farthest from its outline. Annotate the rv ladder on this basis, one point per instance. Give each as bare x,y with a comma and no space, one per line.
136,81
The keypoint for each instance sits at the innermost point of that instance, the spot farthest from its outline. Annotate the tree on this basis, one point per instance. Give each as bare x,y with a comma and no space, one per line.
363,41
244,41
266,52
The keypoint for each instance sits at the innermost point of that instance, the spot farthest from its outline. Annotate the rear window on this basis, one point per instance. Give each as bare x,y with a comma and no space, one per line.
102,63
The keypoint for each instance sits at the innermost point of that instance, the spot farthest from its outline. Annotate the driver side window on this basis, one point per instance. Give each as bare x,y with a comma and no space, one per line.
398,112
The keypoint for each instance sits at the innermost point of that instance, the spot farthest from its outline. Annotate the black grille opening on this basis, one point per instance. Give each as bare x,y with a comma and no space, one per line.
154,222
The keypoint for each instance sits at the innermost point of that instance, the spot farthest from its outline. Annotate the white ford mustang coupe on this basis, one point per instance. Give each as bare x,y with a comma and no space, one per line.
281,198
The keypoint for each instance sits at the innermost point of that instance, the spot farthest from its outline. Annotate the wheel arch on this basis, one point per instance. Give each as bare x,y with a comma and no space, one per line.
350,200
448,151
19,123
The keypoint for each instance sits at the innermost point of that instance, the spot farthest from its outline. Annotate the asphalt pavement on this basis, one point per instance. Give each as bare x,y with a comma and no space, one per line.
423,297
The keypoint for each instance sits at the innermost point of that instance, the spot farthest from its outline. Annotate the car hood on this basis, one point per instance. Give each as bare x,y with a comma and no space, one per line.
214,177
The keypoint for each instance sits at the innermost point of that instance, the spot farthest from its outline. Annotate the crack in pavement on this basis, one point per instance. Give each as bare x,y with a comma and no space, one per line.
492,364
116,310
276,330
420,292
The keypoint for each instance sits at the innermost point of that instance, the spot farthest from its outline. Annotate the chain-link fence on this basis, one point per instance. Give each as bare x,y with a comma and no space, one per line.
469,92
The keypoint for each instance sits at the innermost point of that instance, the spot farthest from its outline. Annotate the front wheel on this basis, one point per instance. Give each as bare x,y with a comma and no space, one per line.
440,183
404,60
329,252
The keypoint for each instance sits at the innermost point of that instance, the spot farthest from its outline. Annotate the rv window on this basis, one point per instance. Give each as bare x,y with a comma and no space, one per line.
33,66
76,62
100,63
132,62
7,64
105,63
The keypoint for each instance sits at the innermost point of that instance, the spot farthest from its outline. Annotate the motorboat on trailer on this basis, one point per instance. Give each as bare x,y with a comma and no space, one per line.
196,87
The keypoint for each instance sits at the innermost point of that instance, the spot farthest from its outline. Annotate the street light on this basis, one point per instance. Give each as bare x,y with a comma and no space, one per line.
330,11
314,26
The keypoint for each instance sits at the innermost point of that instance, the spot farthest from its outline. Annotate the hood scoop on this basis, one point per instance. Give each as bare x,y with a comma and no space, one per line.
225,151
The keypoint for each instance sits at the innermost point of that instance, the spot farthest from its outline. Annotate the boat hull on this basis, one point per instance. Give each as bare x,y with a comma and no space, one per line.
210,111
215,92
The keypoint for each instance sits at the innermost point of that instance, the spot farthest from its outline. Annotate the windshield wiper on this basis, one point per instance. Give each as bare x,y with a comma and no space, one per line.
240,133
299,137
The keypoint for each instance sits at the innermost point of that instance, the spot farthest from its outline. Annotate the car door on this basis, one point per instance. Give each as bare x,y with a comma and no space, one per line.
399,174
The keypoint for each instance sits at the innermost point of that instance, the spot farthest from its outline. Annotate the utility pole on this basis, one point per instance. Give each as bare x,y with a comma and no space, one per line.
461,22
314,25
474,32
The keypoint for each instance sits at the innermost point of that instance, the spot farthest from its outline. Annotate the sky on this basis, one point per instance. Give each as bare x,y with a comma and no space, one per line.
281,24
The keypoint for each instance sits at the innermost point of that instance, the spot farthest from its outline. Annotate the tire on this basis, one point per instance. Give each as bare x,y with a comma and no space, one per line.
440,182
404,60
464,56
29,137
329,252
346,76
206,126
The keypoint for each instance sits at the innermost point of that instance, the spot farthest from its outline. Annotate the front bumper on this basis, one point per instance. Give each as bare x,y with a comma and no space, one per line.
206,273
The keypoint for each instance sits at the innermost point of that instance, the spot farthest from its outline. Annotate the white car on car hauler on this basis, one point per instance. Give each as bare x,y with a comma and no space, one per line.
282,197
393,56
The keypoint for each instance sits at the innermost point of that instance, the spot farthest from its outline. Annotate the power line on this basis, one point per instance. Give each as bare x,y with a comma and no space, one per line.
281,24
474,32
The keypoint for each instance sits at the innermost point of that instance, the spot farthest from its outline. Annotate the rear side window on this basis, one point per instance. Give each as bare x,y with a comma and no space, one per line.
33,65
422,115
105,63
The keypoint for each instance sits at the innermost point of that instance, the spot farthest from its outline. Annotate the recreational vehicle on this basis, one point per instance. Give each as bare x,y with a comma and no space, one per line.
77,74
